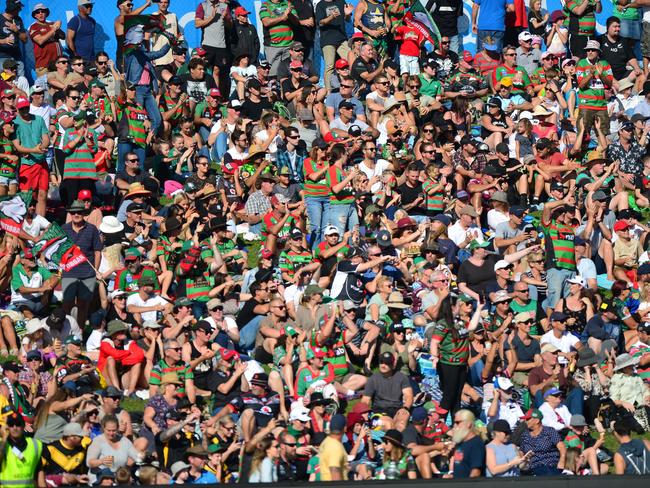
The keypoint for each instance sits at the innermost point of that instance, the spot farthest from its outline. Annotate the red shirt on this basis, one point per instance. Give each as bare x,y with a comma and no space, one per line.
411,40
48,52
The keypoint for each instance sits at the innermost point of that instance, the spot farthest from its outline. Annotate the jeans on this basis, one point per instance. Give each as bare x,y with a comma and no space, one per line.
248,333
145,98
343,216
220,147
557,286
456,44
318,209
127,147
497,38
199,309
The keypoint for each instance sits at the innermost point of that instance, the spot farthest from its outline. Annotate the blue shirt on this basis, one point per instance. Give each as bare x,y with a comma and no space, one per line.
88,241
84,36
492,16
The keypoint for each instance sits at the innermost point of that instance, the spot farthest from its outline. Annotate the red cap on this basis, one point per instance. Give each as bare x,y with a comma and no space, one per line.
318,352
228,354
341,63
241,11
358,36
621,225
84,195
360,407
229,168
266,253
295,64
27,254
22,102
200,51
467,57
214,92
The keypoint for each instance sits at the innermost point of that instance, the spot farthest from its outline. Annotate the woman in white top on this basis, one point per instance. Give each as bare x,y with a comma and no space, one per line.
556,415
240,71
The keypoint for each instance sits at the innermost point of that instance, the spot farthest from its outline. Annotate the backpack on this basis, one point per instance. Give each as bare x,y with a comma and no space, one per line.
637,457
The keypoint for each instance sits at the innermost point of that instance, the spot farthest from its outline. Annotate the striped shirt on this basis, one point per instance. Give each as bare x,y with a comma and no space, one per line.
593,96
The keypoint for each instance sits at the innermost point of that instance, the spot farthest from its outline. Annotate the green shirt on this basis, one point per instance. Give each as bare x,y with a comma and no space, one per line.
593,96
29,134
278,35
454,347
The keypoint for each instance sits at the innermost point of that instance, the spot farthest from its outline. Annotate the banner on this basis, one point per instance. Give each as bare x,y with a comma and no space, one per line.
56,247
418,18
12,212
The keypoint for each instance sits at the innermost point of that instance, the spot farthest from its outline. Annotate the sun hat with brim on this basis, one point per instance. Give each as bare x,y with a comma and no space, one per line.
178,467
136,189
317,398
577,280
499,196
40,6
395,437
34,325
625,360
596,156
77,206
624,84
541,111
469,210
115,327
592,45
197,451
172,224
206,192
218,447
476,244
501,296
577,420
396,300
313,290
586,357
390,106
110,225
253,151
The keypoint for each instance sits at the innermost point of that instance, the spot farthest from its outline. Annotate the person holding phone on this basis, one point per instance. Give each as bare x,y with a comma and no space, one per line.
502,458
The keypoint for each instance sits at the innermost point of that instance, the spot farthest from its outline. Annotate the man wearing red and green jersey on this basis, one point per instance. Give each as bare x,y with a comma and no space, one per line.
594,74
173,363
342,211
581,23
277,17
331,251
560,263
127,278
316,374
294,257
641,350
509,69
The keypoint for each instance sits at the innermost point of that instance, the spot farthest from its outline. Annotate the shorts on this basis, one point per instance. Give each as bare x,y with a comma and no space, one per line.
409,65
34,177
6,181
78,288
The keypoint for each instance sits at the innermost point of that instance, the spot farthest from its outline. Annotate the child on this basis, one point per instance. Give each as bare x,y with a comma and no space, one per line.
536,20
409,50
179,159
8,160
557,36
524,139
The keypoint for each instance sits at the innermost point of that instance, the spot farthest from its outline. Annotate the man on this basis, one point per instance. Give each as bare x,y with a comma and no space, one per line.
259,202
348,281
65,458
172,362
585,266
340,126
80,34
32,141
616,51
413,199
547,374
541,75
581,23
111,399
488,21
246,40
173,442
45,37
509,69
468,162
345,93
197,475
333,459
509,236
628,153
366,67
78,283
445,14
469,455
146,304
12,33
503,406
563,340
38,105
641,349
297,53
560,254
20,456
593,75
527,56
170,21
331,17
31,283
602,326
388,390
287,469
292,156
277,17
214,19
465,230
548,449
76,370
465,81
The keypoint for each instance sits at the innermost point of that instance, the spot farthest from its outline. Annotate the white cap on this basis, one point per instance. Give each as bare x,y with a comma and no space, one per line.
525,36
330,229
577,280
501,264
502,383
299,412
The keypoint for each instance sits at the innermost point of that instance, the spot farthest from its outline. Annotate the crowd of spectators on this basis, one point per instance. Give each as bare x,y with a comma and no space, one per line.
340,252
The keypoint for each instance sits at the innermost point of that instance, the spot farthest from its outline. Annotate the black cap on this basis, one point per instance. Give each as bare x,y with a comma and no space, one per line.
544,143
134,207
644,269
346,104
174,80
502,426
356,251
320,143
254,83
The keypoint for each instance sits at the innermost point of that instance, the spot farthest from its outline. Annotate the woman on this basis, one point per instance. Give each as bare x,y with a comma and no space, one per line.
427,136
317,201
400,347
154,419
110,450
478,351
495,125
55,413
501,457
377,307
556,414
359,446
263,465
591,379
499,211
460,116
318,412
576,306
342,208
394,117
112,234
398,462
37,338
450,347
536,275
240,71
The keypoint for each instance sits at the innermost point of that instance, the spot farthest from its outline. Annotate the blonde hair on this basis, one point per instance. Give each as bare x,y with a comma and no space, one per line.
147,475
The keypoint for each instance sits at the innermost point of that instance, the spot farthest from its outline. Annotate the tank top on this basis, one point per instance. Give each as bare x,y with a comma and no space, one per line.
373,17
204,367
498,120
503,453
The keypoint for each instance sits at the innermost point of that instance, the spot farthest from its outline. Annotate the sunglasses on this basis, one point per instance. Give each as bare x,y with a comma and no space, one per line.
77,64
510,54
218,308
63,61
427,130
347,86
74,98
121,297
133,160
522,291
102,63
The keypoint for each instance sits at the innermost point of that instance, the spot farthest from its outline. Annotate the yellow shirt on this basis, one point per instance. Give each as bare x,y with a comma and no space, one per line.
332,454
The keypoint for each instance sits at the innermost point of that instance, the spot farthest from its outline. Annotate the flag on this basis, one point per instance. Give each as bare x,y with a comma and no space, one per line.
419,18
56,247
12,212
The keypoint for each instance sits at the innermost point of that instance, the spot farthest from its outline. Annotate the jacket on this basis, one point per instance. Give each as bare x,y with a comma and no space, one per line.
245,41
135,62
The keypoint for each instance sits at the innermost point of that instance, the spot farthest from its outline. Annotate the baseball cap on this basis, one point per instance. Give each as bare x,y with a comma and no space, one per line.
131,254
266,253
577,420
533,413
517,211
525,36
72,339
503,383
241,11
502,426
552,391
548,347
467,57
22,102
568,62
443,219
214,92
330,230
621,225
295,64
558,316
341,64
419,415
547,54
644,269
599,196
387,358
502,264
644,327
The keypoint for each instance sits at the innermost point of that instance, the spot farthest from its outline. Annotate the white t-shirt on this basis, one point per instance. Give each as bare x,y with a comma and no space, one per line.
228,321
551,416
457,234
136,300
496,217
380,166
36,226
564,343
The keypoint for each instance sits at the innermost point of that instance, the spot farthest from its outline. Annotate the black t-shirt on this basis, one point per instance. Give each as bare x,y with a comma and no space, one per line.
112,315
411,435
333,33
360,66
353,288
446,64
305,10
253,110
174,448
289,87
445,13
246,314
197,90
617,54
525,353
410,194
469,455
222,399
478,278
